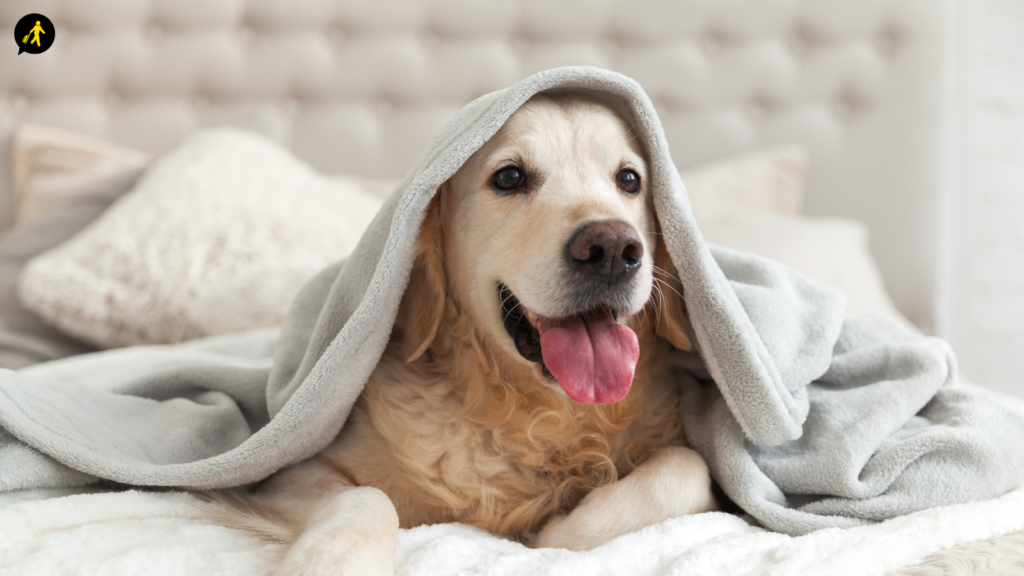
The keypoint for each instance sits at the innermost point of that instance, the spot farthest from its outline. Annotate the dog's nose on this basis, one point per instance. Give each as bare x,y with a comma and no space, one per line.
610,249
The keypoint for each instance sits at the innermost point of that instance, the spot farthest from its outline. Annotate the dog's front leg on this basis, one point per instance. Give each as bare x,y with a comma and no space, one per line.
353,534
673,482
345,530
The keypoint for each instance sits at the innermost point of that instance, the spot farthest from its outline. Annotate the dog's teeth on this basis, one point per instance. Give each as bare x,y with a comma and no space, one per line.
530,315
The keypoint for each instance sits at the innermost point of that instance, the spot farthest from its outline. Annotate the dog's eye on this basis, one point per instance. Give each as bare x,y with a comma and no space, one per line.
628,180
509,178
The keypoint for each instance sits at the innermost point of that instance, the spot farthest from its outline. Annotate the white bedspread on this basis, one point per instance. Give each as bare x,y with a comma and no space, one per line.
160,534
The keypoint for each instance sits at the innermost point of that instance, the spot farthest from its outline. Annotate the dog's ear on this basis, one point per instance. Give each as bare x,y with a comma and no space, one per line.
423,303
672,319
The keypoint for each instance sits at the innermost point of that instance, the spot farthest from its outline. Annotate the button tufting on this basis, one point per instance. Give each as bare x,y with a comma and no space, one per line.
757,108
246,34
842,110
19,101
711,43
383,105
431,38
848,103
291,106
887,41
155,31
520,43
337,34
113,99
798,42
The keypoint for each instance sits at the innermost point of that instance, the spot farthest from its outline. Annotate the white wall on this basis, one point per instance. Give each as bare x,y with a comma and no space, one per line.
981,307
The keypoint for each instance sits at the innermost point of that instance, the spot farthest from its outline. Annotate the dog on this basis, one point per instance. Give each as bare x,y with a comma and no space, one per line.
526,388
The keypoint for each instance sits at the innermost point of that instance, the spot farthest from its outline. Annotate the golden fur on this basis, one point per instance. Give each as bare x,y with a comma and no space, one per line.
454,425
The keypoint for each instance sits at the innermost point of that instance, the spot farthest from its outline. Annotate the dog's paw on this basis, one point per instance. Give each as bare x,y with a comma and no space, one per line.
353,534
338,554
553,535
572,533
674,482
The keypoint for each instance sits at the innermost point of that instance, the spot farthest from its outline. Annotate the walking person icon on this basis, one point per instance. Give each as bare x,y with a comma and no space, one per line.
37,30
34,34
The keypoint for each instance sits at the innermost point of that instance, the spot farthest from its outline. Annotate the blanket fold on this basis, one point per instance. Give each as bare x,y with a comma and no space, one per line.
808,419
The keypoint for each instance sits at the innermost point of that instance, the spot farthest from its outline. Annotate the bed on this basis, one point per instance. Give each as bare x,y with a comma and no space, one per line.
842,96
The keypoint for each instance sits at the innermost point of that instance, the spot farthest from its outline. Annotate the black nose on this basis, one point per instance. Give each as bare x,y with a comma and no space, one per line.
608,249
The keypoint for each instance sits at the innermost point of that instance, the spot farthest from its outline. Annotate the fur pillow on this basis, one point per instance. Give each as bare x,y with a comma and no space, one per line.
217,236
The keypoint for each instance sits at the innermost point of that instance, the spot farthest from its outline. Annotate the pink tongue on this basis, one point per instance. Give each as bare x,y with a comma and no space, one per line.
591,355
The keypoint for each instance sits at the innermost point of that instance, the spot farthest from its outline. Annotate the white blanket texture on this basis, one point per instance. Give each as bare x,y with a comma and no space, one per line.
161,534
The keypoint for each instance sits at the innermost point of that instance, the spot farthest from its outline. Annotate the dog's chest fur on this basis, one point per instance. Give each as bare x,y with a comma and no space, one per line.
456,436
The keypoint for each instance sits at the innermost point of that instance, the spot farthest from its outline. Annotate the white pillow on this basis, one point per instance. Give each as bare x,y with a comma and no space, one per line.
834,250
218,235
766,181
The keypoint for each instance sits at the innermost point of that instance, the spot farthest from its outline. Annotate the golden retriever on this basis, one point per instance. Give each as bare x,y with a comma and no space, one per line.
526,387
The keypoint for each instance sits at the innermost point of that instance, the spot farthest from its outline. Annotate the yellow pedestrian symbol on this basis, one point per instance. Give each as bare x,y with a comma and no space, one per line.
37,30
34,33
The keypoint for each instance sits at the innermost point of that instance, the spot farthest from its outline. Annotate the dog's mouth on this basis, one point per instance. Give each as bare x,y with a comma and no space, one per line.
590,355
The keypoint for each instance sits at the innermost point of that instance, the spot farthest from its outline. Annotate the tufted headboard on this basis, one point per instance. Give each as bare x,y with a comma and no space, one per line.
360,86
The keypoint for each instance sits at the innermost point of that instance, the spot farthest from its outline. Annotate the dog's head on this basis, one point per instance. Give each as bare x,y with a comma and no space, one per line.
546,239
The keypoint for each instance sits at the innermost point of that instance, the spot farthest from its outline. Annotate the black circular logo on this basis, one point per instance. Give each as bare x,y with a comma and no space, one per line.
34,34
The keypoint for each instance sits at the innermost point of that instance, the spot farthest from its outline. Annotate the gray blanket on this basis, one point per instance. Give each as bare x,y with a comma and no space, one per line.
807,419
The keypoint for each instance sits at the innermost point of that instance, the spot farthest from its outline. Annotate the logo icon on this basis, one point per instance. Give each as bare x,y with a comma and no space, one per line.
34,34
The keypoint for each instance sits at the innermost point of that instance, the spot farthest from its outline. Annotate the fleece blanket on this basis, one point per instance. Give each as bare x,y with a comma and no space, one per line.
808,419
90,530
